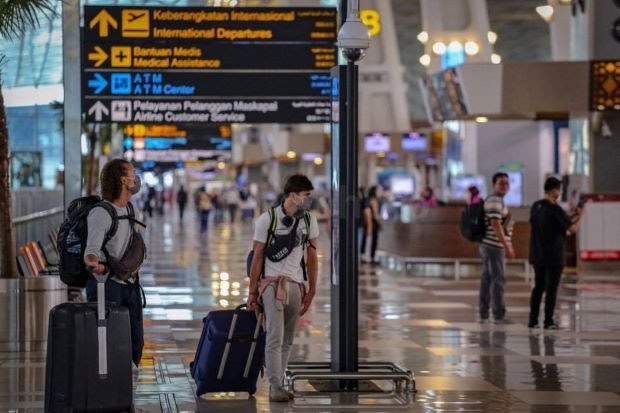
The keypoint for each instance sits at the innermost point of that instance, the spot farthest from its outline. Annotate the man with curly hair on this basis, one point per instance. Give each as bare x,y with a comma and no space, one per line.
118,183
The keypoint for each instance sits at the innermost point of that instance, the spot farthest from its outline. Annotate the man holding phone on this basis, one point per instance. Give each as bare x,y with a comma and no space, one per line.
550,225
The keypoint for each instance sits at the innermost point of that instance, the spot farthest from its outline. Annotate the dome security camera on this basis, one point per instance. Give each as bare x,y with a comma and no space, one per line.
353,38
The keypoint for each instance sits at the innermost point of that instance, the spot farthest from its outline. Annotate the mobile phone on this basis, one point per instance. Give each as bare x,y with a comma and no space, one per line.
580,203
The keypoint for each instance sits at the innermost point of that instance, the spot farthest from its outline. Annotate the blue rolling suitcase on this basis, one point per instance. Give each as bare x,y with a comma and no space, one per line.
231,352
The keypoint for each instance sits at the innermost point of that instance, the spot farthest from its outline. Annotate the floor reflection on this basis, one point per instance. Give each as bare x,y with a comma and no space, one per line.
419,319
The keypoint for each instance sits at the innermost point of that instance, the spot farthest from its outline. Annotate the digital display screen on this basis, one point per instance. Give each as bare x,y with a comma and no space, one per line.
377,142
414,142
402,185
514,197
462,182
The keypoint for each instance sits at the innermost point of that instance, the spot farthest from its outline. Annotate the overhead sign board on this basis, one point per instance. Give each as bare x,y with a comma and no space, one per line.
208,110
182,24
207,65
217,56
189,84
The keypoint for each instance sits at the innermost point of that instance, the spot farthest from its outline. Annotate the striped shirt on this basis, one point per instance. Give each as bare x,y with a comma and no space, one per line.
494,208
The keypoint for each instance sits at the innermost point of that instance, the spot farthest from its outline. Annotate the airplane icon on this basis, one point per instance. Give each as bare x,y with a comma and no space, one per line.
135,23
136,16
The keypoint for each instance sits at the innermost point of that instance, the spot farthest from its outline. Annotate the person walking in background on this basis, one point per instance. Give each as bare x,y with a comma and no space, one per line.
496,246
361,233
372,226
428,198
204,205
232,199
181,201
472,195
148,203
549,227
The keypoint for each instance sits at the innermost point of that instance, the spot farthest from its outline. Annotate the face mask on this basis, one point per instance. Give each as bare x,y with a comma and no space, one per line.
305,203
135,188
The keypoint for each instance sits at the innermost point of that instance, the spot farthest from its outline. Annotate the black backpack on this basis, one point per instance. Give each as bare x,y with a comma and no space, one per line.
73,234
472,224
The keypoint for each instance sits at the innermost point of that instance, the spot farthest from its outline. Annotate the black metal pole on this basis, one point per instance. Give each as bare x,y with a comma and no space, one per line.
350,229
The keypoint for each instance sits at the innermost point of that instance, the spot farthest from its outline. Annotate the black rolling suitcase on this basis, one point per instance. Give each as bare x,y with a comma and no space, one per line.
89,357
231,352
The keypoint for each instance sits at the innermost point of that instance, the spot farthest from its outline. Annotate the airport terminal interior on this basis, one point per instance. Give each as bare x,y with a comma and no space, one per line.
404,115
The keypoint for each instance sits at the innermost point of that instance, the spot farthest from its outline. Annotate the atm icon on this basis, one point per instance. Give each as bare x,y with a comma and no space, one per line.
120,83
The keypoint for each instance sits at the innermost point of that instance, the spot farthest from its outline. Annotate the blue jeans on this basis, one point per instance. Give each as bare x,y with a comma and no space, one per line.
130,296
204,220
492,282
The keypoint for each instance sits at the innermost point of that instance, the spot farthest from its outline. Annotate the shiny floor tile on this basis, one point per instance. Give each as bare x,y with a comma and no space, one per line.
425,322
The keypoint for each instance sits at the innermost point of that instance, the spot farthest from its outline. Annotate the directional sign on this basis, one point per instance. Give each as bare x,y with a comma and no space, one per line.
187,84
207,65
210,111
98,83
98,56
102,22
211,57
199,24
97,110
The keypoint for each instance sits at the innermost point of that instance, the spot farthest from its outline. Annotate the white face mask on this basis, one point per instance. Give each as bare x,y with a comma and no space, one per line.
304,202
135,188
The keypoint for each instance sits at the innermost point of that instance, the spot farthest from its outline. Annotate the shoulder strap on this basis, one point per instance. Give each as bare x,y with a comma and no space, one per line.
272,225
131,216
308,221
112,211
114,226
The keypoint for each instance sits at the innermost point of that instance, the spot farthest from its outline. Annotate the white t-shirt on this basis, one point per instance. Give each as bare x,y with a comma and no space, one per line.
291,265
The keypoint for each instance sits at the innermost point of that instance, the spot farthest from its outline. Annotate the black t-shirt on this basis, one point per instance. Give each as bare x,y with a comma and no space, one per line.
549,224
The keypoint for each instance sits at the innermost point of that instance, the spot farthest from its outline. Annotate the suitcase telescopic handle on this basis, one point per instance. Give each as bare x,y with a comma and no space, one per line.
102,337
231,334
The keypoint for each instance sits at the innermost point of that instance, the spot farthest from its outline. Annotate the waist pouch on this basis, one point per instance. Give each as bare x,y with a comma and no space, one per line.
132,259
281,246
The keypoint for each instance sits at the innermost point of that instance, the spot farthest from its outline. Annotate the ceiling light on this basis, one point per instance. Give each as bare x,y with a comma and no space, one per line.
455,46
221,166
291,155
423,37
471,48
425,60
546,12
482,119
439,48
492,36
318,161
495,58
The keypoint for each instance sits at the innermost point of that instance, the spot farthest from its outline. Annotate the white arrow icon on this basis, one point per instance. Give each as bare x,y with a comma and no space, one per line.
99,109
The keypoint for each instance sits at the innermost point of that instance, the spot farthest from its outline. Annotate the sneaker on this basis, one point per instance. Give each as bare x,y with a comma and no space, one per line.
278,395
553,326
533,326
501,321
483,320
